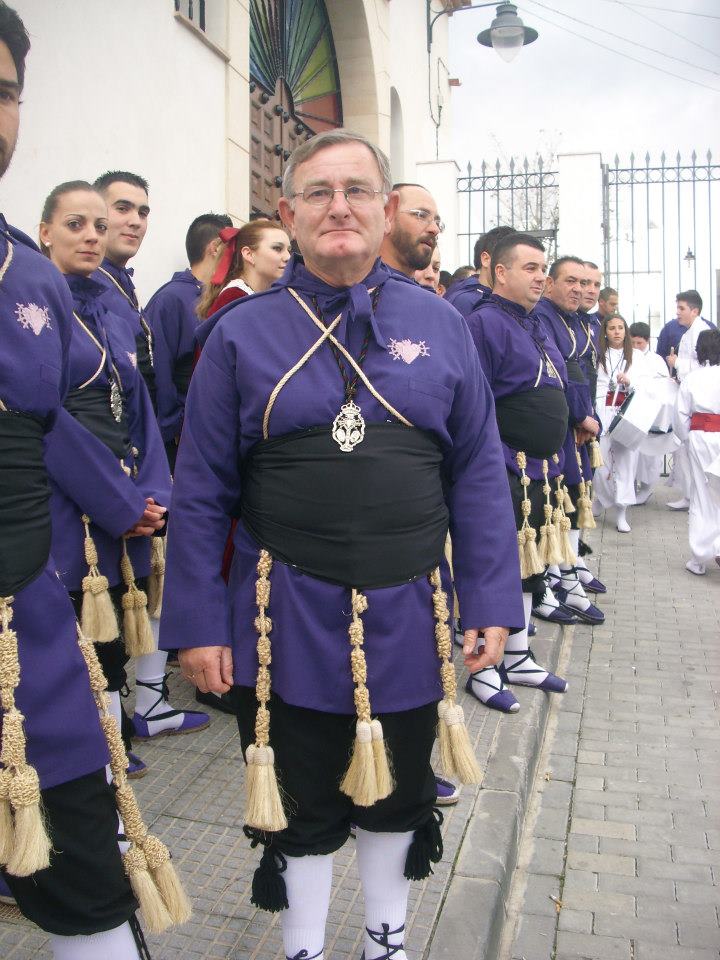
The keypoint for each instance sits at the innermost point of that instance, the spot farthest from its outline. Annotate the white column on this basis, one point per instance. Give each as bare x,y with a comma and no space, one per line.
580,206
440,178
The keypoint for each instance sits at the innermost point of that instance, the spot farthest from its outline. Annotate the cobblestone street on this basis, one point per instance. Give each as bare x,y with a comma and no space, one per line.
621,852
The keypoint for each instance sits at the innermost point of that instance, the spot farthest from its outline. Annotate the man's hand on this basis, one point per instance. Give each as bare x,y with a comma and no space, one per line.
671,359
209,668
491,650
153,519
589,425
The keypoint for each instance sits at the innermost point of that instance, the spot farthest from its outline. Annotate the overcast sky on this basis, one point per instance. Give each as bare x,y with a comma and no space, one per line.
565,93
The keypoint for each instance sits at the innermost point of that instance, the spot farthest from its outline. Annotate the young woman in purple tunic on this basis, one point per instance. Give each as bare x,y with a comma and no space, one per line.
109,400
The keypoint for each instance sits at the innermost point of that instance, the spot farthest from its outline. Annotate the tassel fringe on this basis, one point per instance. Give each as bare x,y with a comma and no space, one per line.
264,809
152,875
97,616
24,841
456,751
530,561
156,580
425,849
137,632
596,459
585,518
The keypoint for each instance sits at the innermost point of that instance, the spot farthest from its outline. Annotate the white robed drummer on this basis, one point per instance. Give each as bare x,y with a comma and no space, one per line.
618,366
697,420
649,465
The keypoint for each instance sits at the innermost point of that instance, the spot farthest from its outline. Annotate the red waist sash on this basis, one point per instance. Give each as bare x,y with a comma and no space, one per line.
709,422
613,400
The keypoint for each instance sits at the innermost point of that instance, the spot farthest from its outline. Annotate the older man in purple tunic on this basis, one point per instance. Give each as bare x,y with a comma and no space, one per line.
343,417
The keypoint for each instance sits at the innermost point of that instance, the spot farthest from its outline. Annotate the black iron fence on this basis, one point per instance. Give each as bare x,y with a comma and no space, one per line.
661,232
524,196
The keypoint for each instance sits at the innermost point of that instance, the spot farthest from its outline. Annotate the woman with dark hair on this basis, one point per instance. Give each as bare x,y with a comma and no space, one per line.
615,481
254,257
697,420
106,570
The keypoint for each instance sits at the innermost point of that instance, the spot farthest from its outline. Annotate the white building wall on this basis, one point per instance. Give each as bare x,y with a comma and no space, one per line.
121,84
580,206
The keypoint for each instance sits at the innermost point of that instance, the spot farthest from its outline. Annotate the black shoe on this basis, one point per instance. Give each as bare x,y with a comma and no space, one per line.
225,702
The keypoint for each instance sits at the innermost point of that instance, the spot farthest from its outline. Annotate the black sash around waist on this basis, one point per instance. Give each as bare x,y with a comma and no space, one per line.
24,502
374,517
575,371
534,421
91,407
182,371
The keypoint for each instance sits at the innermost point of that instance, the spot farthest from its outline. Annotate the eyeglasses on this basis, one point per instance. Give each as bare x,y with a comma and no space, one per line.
424,216
323,196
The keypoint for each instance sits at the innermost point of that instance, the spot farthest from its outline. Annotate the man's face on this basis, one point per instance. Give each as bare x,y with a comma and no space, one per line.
414,231
686,314
607,308
340,237
591,285
127,220
640,343
9,107
565,290
523,281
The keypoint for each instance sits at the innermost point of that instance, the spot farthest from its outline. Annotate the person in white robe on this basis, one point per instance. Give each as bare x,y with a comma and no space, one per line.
697,421
618,366
649,465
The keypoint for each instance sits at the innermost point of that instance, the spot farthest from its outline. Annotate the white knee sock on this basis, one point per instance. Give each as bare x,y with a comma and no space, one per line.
308,882
117,944
150,668
381,863
519,642
569,580
486,683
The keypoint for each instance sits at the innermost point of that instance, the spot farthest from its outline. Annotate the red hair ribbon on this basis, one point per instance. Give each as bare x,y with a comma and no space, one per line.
228,235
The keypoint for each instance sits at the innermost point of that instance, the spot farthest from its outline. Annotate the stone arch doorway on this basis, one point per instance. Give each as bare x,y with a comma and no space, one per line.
294,89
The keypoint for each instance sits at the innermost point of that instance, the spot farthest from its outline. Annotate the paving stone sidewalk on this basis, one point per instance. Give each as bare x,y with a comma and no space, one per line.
193,798
621,856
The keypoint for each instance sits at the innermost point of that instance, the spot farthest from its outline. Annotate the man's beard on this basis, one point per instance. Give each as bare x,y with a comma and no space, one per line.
415,257
6,155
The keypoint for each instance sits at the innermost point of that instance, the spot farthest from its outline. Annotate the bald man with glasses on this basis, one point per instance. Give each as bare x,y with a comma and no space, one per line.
411,242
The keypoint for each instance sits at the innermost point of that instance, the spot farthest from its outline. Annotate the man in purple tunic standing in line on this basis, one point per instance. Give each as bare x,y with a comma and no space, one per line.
343,417
59,854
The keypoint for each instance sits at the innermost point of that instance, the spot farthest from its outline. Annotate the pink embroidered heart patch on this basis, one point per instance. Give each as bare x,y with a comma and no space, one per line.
407,351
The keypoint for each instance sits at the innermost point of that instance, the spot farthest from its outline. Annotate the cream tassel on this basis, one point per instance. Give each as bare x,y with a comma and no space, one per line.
456,752
264,803
24,842
585,518
562,522
596,459
530,563
156,580
368,777
97,617
152,875
137,632
550,552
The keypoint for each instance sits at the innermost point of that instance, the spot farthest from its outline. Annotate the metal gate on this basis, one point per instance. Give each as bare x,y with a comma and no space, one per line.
661,233
523,196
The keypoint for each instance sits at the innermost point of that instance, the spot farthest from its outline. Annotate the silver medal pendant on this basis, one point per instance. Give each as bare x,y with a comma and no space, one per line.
116,403
348,429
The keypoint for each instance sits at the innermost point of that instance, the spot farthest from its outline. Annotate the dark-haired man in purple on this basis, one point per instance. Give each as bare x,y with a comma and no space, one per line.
468,294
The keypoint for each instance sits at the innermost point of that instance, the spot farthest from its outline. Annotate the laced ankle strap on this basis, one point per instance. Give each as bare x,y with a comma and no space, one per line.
524,655
381,938
304,955
163,691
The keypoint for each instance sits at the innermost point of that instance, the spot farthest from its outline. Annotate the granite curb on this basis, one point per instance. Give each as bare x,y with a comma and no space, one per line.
488,853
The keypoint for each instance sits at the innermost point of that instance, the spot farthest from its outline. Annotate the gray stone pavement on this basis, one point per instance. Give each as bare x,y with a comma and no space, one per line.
193,798
623,825
620,859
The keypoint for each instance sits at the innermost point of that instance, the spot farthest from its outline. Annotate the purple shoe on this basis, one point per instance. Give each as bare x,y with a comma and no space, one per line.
192,720
593,585
560,614
592,615
6,894
503,700
525,667
136,769
447,793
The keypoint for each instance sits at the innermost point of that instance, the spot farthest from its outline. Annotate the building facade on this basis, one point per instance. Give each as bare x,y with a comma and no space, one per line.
206,100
